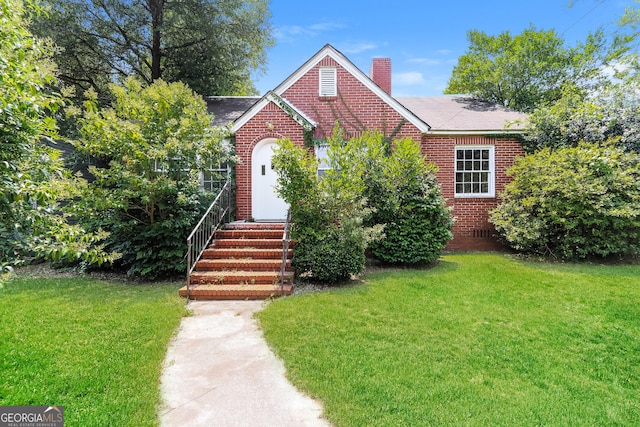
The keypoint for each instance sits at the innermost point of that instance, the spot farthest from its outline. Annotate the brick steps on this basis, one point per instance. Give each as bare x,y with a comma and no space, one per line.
239,253
236,292
243,262
239,277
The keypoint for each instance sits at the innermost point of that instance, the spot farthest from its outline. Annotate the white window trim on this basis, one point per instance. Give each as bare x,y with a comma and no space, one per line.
216,174
321,152
492,172
328,81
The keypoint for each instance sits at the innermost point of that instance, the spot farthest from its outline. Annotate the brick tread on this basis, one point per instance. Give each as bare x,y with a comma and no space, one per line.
239,277
249,234
241,264
209,292
234,253
255,226
248,243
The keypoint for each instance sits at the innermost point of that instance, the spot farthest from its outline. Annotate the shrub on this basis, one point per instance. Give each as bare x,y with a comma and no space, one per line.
334,256
368,187
148,150
402,191
573,203
326,213
33,182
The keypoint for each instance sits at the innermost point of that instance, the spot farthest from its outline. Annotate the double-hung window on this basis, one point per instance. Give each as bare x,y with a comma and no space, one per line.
475,171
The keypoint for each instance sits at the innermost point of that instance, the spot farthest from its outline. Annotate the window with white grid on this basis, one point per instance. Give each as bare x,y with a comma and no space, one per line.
474,172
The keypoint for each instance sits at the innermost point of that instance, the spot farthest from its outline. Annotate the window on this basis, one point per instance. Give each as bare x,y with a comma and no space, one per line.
214,178
474,172
328,81
322,156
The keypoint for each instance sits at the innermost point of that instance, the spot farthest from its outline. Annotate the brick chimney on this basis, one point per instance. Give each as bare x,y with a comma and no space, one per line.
381,73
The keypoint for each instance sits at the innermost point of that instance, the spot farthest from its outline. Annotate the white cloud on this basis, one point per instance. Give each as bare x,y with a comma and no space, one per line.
408,79
326,26
289,33
354,48
425,61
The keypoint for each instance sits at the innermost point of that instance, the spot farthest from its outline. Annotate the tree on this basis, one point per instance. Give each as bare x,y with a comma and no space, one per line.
573,203
149,148
524,71
211,45
33,182
594,116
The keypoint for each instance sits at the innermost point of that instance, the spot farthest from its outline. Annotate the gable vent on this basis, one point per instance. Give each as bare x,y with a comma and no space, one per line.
328,81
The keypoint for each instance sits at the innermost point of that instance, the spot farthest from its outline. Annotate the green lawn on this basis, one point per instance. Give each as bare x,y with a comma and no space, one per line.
480,339
94,347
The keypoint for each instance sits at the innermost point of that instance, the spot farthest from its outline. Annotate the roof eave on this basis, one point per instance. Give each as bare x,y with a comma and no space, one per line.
475,132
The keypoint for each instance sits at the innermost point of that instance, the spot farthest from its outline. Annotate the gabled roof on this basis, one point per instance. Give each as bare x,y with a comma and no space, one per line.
227,109
289,108
465,114
345,63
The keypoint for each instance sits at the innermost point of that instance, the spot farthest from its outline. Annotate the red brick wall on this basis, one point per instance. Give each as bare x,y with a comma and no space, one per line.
358,109
270,122
471,229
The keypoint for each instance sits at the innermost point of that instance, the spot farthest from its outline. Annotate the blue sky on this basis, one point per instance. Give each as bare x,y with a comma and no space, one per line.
423,38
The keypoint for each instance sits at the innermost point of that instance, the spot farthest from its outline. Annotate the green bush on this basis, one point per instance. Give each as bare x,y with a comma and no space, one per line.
573,203
334,256
402,191
327,216
367,188
148,149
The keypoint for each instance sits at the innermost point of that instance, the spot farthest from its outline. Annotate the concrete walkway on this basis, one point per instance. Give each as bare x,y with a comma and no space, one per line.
219,371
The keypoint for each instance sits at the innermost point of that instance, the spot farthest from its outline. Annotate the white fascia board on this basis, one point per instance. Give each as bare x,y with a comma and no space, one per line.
476,132
298,115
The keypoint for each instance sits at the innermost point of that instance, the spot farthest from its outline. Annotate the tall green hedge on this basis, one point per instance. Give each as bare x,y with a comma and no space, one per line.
573,203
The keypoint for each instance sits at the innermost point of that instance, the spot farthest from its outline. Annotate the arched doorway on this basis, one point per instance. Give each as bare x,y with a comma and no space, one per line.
265,203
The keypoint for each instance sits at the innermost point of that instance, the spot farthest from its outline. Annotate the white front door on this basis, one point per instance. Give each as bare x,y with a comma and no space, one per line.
265,203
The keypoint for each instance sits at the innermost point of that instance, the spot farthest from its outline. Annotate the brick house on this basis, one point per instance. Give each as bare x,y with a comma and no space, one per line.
467,139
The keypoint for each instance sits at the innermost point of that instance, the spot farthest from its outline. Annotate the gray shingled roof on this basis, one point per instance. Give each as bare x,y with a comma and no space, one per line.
227,109
451,113
459,113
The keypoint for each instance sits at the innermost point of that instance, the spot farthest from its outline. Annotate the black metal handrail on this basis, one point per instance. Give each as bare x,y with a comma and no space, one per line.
203,232
286,240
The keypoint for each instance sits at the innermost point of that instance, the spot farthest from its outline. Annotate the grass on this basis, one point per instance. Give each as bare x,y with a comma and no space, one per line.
480,339
92,346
